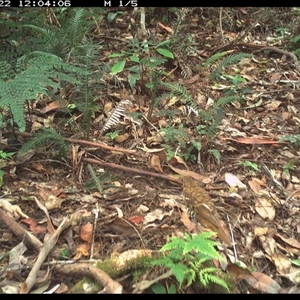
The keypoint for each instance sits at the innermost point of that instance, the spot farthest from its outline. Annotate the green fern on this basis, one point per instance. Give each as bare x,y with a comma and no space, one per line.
229,60
177,89
215,57
61,41
46,137
187,258
36,72
96,180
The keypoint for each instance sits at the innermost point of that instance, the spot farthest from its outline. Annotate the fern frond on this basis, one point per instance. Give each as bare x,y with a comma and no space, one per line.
37,72
206,275
77,28
231,59
115,116
44,137
96,180
225,100
215,57
179,90
6,71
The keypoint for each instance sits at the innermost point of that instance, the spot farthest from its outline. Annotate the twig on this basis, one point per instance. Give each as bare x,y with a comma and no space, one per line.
48,246
110,285
22,234
220,24
131,170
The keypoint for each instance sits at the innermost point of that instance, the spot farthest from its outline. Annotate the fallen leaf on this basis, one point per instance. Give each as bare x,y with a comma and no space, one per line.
55,105
82,250
264,208
294,276
192,174
124,227
263,283
273,105
121,138
86,232
254,185
155,163
136,219
167,28
256,141
258,231
233,181
238,272
290,241
282,263
185,219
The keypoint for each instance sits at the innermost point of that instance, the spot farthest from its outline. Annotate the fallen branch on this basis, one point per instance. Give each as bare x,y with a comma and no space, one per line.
110,286
23,235
45,250
128,169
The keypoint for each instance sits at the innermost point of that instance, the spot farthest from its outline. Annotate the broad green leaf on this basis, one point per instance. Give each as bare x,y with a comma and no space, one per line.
134,58
165,52
111,16
118,67
158,288
132,80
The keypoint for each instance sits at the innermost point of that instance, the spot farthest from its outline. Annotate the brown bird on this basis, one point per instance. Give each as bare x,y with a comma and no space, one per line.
199,201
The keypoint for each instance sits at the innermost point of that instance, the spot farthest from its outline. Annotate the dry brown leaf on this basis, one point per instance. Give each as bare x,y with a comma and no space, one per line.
82,250
55,105
192,174
86,232
256,141
190,226
136,219
290,241
254,185
273,105
282,263
155,163
263,283
258,231
238,272
274,77
53,202
179,160
264,208
34,226
121,138
122,226
107,107
268,244
293,276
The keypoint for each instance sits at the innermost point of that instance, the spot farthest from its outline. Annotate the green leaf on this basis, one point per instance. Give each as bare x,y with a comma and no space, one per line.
111,16
134,58
113,55
165,52
296,262
172,289
118,67
132,80
158,288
